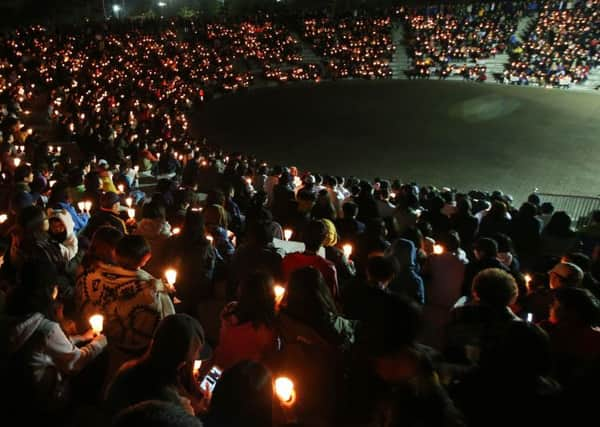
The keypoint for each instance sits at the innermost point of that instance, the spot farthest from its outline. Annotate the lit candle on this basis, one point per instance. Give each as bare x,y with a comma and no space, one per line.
3,218
16,162
88,205
279,293
58,149
51,148
196,368
121,188
210,238
528,280
136,168
97,323
287,233
347,250
171,276
129,201
284,389
81,206
131,213
52,182
438,249
176,231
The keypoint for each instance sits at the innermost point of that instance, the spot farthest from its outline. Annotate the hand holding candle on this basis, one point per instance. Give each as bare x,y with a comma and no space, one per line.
287,233
196,368
438,249
171,276
347,248
97,323
284,390
279,294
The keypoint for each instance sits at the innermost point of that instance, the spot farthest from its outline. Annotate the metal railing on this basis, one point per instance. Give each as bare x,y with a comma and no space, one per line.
578,207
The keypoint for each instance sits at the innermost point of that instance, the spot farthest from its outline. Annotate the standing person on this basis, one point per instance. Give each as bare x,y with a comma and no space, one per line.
314,336
526,231
486,256
407,280
465,223
558,238
194,258
444,274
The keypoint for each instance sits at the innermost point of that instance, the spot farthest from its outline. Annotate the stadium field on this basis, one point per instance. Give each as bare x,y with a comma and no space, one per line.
458,134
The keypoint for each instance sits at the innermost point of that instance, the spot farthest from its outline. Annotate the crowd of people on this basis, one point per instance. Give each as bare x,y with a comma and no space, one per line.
562,47
359,46
232,292
441,36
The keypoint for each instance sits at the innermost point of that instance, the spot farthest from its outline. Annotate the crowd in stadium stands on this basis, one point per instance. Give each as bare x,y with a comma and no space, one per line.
440,37
561,49
383,303
353,47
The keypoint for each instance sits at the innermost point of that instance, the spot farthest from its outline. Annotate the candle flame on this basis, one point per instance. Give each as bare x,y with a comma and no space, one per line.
347,250
284,389
97,323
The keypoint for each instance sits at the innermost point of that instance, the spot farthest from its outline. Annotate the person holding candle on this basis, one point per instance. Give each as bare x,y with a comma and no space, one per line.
314,337
195,259
164,372
47,356
248,324
215,219
108,214
131,300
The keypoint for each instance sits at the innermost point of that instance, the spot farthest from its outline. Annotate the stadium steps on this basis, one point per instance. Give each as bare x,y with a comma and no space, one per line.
401,62
524,26
593,80
308,54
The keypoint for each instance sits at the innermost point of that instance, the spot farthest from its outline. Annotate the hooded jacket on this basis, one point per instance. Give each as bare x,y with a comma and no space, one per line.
69,246
407,280
79,220
48,356
132,302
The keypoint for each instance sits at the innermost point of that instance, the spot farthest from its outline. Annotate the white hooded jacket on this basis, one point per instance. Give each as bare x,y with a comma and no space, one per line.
50,355
69,246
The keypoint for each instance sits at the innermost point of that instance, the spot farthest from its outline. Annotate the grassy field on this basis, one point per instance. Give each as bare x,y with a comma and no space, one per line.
464,135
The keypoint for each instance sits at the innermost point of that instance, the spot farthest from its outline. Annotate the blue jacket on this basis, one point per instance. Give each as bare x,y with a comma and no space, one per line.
79,220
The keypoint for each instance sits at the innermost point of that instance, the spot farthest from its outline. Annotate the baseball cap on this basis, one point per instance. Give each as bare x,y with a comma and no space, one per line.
569,273
108,199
